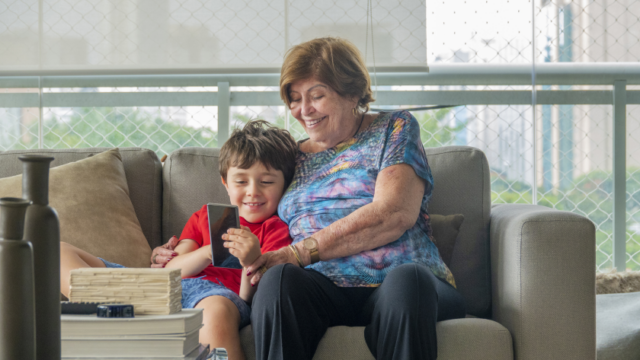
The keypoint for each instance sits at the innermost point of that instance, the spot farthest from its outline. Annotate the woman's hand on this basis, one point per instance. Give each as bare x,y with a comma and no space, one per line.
243,244
162,254
268,260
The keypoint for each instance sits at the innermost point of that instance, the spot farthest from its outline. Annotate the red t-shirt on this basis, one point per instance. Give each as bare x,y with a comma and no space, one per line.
273,234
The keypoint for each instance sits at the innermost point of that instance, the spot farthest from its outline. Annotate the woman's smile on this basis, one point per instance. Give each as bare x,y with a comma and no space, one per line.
309,124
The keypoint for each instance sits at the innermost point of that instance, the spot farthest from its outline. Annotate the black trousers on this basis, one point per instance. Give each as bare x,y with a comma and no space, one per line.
293,308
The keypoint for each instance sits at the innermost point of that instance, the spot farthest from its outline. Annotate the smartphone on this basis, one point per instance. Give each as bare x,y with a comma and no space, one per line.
222,217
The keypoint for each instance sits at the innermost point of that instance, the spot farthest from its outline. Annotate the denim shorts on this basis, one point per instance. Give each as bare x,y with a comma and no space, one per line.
194,290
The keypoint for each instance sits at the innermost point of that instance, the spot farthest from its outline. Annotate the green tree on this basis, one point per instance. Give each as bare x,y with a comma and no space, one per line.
122,127
434,130
506,191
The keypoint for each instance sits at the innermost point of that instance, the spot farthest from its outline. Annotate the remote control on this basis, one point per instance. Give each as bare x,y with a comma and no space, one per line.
80,308
115,310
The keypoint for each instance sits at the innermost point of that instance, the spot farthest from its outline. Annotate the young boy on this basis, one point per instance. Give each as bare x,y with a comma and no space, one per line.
256,166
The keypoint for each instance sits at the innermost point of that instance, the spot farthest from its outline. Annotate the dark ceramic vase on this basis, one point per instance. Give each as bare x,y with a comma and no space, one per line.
42,229
17,306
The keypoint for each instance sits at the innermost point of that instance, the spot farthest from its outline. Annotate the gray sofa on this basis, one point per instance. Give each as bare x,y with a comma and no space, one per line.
527,272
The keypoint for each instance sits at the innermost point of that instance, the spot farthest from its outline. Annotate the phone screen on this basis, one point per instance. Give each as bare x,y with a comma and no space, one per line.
221,218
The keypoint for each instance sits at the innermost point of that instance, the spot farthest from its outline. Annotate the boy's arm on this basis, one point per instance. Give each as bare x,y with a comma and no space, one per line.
191,259
244,245
246,289
277,236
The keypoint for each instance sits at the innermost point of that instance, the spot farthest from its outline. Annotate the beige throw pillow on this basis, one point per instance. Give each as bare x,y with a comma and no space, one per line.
91,197
445,232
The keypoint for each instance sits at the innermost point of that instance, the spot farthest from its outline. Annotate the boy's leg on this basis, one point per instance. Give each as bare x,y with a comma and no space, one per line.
221,320
72,258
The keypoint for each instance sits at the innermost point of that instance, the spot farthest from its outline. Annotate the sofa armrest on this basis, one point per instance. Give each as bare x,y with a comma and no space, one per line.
543,281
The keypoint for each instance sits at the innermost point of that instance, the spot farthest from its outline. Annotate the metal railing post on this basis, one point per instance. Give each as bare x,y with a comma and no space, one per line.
224,102
534,100
40,116
619,174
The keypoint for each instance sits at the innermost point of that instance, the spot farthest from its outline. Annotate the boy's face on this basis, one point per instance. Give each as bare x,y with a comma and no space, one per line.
256,191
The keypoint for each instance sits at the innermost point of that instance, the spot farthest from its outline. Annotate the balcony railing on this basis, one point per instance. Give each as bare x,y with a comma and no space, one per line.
562,143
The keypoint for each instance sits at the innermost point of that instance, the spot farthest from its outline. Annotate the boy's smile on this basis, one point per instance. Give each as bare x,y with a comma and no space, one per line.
256,191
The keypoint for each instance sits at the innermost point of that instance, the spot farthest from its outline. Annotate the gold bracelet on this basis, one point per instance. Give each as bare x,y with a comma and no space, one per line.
295,252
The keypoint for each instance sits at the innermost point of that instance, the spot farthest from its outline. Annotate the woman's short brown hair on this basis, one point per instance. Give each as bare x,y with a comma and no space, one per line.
259,141
333,61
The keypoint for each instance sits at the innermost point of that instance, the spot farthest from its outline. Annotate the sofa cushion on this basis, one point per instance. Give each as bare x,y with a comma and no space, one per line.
144,179
472,339
91,197
445,230
462,186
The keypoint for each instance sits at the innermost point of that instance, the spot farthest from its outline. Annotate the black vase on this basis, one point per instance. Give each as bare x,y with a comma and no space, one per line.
42,229
17,306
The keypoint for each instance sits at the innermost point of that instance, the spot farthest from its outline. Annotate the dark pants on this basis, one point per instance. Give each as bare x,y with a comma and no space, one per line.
293,308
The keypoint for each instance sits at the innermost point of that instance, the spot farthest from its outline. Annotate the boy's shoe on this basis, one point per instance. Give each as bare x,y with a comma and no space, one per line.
218,354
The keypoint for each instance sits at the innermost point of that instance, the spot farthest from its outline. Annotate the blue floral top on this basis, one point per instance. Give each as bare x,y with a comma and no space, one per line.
329,185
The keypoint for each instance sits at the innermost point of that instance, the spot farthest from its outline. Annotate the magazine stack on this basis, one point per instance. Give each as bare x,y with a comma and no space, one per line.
167,337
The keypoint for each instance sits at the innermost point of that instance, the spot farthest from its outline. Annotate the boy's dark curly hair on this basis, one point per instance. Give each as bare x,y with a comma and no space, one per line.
260,141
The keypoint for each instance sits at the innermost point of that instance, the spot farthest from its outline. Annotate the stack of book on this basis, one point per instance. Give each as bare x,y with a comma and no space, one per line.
150,291
166,337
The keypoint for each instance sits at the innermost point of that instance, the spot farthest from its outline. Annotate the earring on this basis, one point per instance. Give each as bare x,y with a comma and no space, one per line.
355,111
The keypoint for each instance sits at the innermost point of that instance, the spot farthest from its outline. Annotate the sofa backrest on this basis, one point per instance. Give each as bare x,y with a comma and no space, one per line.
142,169
461,186
190,179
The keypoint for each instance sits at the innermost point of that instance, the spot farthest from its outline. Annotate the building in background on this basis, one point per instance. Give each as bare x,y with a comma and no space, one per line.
577,139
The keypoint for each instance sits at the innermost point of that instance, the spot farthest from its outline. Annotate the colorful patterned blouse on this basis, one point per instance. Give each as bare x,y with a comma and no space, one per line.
329,185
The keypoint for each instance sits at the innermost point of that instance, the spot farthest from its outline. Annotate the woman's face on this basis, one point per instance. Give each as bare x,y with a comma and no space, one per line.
326,116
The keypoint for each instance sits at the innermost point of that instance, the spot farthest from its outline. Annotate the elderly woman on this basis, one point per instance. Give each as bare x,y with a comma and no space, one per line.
362,252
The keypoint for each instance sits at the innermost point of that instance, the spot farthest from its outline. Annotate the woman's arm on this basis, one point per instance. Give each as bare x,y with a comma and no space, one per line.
394,209
191,259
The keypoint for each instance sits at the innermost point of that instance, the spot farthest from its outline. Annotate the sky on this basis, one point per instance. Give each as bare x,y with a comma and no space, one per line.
468,25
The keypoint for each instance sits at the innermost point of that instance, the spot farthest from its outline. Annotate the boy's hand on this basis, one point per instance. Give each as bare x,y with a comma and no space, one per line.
242,244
